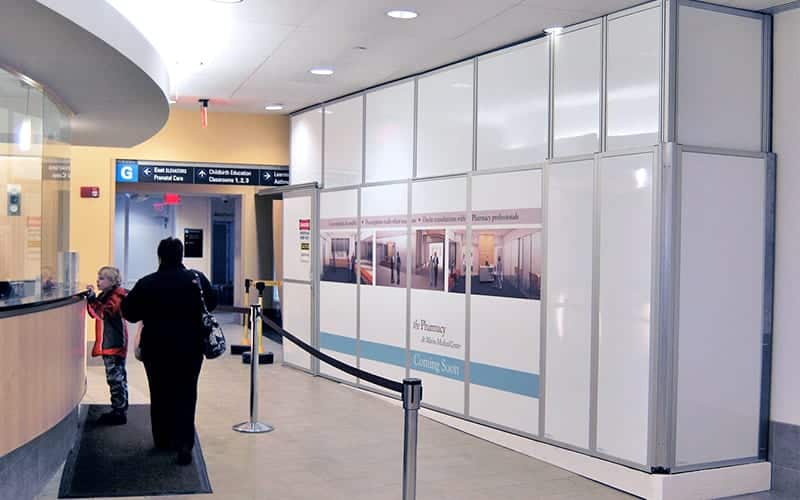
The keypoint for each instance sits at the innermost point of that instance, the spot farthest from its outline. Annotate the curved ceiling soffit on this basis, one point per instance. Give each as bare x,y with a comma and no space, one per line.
116,93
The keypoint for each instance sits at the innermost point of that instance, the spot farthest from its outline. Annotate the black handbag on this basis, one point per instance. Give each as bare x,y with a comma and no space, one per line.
214,344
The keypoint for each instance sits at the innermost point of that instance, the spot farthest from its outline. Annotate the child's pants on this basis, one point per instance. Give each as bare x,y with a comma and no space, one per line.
117,381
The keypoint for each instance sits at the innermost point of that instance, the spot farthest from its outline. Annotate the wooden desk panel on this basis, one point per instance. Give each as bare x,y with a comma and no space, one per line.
42,371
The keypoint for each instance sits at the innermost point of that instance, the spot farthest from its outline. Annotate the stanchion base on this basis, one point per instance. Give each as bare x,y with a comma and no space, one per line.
239,348
265,358
253,428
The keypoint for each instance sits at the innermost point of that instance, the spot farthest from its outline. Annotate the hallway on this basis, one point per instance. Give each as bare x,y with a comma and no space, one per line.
334,442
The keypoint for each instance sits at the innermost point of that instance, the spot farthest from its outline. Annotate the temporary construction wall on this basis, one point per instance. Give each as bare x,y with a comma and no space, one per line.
566,239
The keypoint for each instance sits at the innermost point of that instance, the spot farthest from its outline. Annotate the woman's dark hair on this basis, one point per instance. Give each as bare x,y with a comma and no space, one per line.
170,251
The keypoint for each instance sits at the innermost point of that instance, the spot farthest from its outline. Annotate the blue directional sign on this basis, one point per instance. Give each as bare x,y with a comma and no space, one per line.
231,175
127,171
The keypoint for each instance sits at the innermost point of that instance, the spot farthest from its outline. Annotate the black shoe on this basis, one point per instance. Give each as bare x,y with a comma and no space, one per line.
112,418
164,446
184,457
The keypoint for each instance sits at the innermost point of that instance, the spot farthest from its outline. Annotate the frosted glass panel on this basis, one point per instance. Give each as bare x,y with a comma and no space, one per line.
633,79
306,148
343,139
512,106
626,209
444,126
721,52
721,296
569,301
390,133
576,128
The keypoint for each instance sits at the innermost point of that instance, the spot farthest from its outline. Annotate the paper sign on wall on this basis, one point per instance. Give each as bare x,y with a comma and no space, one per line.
305,240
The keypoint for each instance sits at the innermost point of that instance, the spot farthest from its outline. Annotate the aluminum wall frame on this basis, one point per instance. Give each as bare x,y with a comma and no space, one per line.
665,233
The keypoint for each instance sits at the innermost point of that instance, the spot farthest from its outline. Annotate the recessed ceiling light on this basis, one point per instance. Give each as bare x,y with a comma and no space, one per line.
321,71
402,14
554,30
274,107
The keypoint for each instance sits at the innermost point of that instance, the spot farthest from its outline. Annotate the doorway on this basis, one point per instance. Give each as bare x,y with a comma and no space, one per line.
206,223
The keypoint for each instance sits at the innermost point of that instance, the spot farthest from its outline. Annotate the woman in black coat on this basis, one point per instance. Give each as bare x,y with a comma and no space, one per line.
168,302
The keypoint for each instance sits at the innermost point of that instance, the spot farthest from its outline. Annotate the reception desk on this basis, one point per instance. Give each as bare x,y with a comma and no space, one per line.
42,381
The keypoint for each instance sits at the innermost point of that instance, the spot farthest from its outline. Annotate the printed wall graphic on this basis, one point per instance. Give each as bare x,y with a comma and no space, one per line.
366,252
391,253
383,311
428,259
338,235
456,261
438,322
505,274
507,262
338,256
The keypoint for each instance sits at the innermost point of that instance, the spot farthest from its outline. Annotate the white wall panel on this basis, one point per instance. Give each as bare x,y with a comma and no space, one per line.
383,308
786,108
513,88
337,325
295,266
632,79
576,114
439,196
296,312
338,300
390,133
719,79
720,307
441,367
569,221
338,204
383,331
626,211
504,408
444,121
343,138
306,147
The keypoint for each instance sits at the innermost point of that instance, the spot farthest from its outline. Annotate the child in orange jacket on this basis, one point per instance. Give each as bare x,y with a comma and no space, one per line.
111,340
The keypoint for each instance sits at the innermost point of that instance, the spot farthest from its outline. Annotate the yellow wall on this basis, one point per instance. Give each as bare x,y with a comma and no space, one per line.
229,138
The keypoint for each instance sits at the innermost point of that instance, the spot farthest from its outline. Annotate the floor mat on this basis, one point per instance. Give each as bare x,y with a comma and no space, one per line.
115,461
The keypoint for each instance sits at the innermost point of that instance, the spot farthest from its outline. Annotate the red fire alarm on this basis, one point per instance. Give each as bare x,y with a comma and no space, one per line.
90,191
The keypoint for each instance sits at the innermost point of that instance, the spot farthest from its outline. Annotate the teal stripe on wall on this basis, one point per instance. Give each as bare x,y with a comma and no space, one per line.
504,379
338,343
438,365
384,353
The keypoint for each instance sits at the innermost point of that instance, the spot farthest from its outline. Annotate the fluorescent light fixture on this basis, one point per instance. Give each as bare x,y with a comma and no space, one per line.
402,14
228,1
553,30
274,107
321,71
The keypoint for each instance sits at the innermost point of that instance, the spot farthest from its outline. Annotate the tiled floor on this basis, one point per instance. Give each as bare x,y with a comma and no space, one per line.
332,442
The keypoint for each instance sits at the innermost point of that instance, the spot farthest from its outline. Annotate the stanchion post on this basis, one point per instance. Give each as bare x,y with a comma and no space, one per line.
253,426
247,282
412,397
260,286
